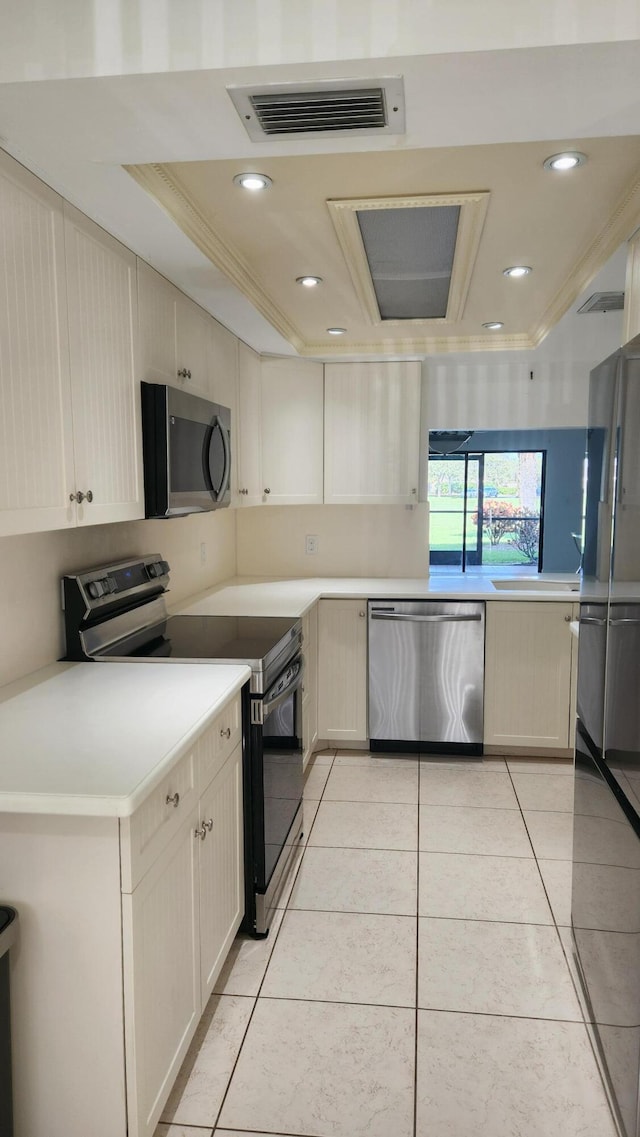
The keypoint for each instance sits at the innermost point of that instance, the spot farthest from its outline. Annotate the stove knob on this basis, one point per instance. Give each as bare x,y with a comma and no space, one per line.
154,569
95,589
109,584
164,568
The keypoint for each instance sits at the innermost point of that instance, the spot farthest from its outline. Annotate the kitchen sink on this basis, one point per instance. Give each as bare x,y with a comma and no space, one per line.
529,584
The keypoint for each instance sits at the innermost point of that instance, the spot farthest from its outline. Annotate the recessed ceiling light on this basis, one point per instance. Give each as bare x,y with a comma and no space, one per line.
517,270
337,331
252,181
566,161
309,281
493,325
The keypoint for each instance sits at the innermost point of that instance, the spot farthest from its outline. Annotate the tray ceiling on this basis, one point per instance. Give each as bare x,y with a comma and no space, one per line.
564,226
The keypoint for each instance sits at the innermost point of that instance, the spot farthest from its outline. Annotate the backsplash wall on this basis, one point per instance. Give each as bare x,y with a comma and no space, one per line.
353,540
31,627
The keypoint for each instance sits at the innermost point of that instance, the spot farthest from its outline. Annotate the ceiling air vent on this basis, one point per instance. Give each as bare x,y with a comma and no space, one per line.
603,302
333,108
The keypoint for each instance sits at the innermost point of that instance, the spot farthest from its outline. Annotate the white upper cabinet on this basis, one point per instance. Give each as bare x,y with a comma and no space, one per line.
36,450
249,442
193,347
292,425
103,334
372,433
157,303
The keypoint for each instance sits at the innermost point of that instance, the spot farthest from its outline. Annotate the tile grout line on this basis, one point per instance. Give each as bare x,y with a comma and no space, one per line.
257,996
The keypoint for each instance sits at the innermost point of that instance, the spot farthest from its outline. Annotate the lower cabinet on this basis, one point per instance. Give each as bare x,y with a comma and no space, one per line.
529,694
342,670
178,925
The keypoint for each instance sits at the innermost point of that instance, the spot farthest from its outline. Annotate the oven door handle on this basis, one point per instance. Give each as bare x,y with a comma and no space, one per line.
271,700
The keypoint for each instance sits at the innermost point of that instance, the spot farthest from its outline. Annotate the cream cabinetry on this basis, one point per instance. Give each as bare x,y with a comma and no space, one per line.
529,689
291,431
180,917
69,415
310,683
342,670
631,323
103,334
249,448
372,433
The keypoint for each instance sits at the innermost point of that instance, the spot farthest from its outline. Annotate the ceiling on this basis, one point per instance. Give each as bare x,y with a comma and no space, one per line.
563,225
466,111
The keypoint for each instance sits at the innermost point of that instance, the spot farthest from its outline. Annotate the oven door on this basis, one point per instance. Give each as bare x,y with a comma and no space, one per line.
277,778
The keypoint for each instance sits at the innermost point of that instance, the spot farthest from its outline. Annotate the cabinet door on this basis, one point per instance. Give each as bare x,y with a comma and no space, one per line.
249,448
342,669
372,433
193,347
105,392
221,869
162,977
527,698
292,428
157,300
36,448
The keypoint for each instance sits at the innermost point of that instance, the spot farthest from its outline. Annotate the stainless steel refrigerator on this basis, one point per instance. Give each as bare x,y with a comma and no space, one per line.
605,907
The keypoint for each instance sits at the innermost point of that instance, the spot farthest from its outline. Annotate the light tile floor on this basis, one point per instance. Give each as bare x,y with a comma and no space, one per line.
418,983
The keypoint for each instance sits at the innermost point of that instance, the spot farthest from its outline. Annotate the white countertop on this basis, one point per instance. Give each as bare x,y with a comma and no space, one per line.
251,596
95,738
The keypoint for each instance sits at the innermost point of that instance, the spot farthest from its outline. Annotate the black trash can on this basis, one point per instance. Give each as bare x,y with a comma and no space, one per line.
8,930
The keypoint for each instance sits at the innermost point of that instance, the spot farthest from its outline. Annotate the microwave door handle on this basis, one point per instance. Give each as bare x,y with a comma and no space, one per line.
216,424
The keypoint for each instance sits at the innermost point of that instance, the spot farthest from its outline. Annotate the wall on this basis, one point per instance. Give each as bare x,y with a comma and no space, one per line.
353,540
31,566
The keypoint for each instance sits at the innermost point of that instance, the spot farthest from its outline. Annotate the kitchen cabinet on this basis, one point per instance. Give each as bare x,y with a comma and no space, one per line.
631,324
342,670
69,428
529,695
157,301
179,921
249,447
292,430
372,433
310,684
105,397
125,923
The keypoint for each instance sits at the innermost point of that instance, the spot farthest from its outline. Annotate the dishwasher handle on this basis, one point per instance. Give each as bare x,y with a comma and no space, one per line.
441,619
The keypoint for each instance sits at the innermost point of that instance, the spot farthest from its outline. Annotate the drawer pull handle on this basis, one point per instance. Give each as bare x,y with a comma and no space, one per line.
208,824
173,799
200,832
225,733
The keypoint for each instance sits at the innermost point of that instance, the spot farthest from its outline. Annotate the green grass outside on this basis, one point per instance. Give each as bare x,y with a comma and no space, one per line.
445,532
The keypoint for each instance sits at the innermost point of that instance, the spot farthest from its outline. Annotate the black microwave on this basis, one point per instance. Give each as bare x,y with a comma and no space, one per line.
186,444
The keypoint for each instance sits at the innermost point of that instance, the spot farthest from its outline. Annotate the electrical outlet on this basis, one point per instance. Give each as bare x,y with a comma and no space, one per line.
311,545
203,552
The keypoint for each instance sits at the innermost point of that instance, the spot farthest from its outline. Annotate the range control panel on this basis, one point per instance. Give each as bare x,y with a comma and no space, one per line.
102,593
118,580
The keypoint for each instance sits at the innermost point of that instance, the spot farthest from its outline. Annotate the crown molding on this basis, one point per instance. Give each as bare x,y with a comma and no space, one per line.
619,227
166,190
434,345
473,210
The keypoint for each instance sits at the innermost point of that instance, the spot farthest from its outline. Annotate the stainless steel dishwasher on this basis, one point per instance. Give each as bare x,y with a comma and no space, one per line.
426,675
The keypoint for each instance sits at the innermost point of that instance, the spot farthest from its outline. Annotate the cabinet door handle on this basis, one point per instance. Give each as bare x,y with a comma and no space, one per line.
208,824
183,373
225,733
173,799
267,491
80,496
568,619
200,832
362,615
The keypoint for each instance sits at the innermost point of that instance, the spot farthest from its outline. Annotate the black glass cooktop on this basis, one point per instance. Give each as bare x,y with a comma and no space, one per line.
254,640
